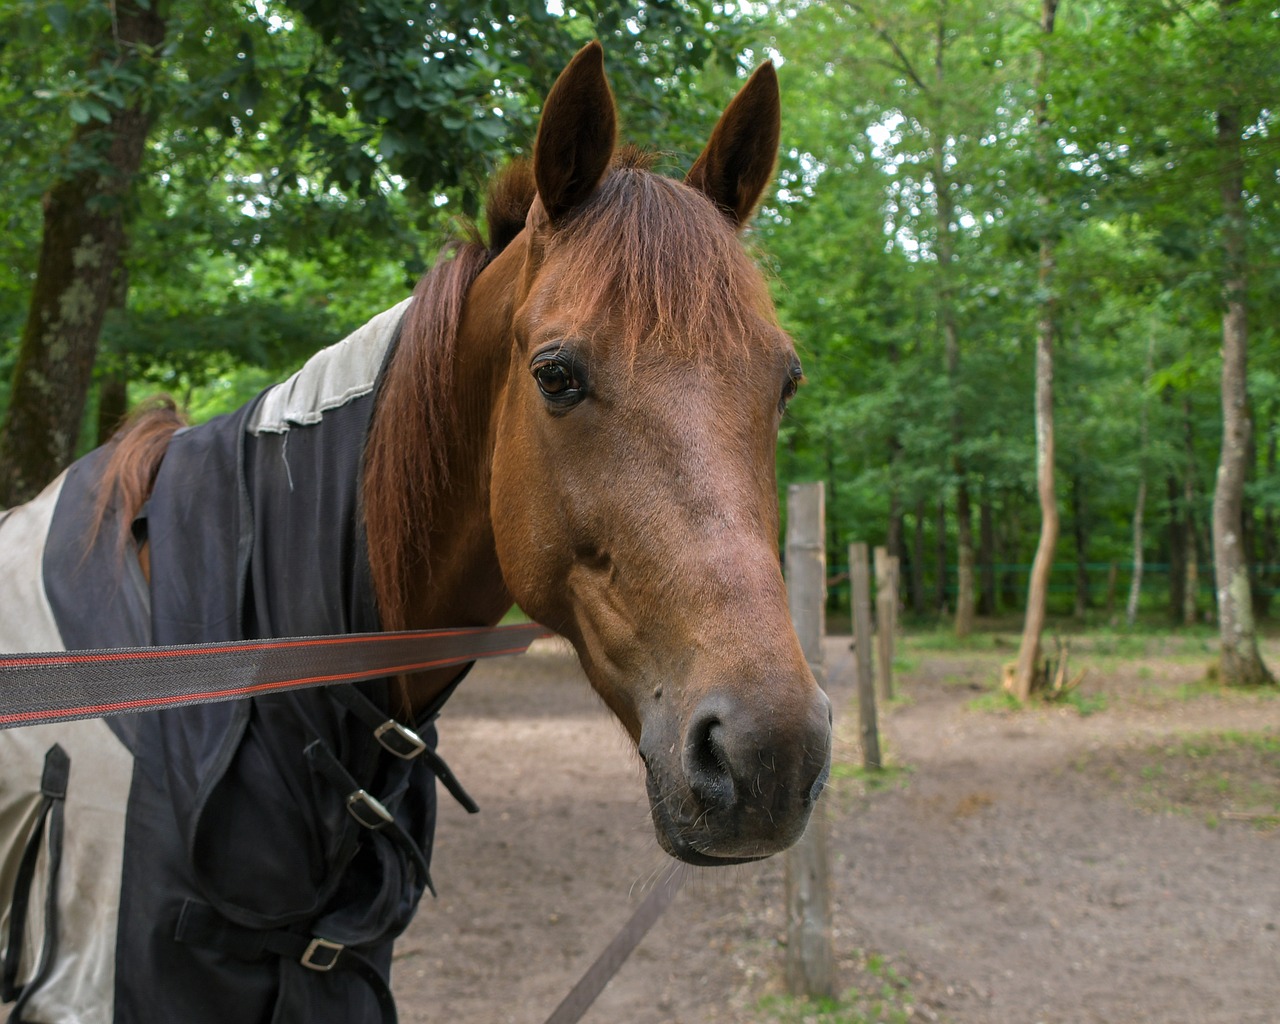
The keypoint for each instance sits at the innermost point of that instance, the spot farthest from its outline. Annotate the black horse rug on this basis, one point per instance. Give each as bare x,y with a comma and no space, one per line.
248,861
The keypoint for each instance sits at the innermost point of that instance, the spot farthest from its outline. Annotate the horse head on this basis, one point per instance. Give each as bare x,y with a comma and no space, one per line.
633,492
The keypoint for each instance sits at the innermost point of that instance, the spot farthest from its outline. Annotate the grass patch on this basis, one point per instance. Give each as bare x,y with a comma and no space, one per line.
996,702
872,780
943,640
1217,777
882,996
1086,704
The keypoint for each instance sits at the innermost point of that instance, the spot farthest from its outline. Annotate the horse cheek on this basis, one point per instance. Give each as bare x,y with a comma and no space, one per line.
527,524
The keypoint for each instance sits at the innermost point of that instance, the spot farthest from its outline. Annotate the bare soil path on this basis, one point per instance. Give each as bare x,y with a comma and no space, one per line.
1019,870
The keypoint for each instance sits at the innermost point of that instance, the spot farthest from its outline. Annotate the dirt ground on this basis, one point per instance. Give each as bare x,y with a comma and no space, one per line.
1016,871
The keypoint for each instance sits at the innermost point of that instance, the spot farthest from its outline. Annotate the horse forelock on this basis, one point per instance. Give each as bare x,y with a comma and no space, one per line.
662,263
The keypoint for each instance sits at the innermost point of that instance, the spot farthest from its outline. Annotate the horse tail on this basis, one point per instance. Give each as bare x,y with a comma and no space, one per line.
137,449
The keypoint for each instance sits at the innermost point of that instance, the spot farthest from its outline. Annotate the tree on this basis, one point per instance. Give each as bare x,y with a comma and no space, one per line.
78,275
320,121
1241,663
1026,668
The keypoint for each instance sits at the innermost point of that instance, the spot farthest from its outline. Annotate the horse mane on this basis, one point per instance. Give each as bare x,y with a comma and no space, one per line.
405,464
137,449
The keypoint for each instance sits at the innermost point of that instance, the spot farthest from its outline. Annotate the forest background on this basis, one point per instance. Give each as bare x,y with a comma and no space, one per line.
1020,247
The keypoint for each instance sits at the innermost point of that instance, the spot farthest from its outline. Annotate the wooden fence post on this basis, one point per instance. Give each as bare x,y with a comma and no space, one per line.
860,582
810,965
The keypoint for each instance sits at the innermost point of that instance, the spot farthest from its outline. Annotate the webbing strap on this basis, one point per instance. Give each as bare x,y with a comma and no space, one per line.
53,789
68,685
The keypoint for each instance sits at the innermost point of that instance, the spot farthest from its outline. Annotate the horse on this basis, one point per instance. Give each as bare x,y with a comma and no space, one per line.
577,415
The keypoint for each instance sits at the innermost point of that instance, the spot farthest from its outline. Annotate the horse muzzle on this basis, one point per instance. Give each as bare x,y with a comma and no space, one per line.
735,783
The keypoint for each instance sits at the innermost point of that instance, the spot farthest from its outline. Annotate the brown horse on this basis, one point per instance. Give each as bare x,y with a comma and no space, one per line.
617,383
580,417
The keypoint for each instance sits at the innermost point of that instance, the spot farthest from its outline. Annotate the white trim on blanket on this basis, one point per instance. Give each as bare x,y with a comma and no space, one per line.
331,378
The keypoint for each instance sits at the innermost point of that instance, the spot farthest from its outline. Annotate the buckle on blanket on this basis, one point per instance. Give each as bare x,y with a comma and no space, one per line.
368,810
399,739
321,955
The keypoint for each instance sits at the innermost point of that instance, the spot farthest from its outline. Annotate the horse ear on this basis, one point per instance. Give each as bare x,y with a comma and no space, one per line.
737,165
576,134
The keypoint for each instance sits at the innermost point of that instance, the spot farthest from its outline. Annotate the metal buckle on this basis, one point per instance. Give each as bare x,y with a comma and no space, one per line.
322,955
399,739
368,810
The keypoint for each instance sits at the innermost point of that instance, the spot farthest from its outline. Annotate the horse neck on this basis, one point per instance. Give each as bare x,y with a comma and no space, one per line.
461,583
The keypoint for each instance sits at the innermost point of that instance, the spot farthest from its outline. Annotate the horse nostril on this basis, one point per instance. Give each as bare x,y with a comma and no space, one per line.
706,763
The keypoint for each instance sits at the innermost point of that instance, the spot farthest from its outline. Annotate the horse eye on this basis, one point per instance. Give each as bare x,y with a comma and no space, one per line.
557,380
790,388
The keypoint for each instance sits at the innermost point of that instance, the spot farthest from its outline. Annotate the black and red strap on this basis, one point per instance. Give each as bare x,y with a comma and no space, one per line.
68,685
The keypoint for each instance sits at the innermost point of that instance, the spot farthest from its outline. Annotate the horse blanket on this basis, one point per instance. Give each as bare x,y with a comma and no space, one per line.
248,861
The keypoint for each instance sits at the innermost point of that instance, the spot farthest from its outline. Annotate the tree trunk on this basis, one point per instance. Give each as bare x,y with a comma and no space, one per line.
940,546
951,342
1135,581
945,251
1080,532
1024,672
833,537
1249,521
1177,549
964,550
1038,587
1266,571
987,599
893,536
917,562
80,252
1189,557
113,404
1140,505
1010,552
1241,665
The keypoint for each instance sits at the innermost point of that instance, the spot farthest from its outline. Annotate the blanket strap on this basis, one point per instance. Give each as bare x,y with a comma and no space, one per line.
53,790
398,739
201,925
366,808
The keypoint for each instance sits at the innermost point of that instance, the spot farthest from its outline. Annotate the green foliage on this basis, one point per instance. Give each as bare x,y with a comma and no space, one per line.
893,106
306,159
